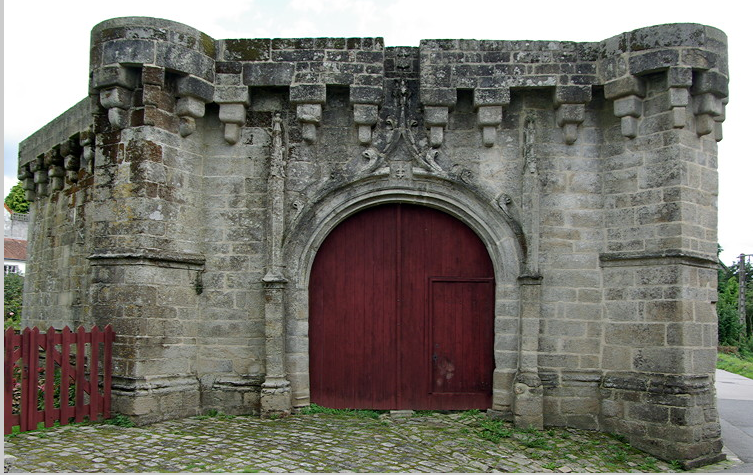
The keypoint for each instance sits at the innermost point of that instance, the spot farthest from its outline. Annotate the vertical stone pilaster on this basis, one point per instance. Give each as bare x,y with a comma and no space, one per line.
276,396
528,406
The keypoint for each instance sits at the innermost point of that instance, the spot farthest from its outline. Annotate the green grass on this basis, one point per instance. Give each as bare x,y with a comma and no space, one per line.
495,430
317,409
120,420
742,365
215,413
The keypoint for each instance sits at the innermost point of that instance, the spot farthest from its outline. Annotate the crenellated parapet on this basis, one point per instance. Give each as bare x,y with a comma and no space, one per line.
162,73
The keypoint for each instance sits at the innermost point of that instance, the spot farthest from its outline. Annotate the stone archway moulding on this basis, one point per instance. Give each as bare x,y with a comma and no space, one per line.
314,224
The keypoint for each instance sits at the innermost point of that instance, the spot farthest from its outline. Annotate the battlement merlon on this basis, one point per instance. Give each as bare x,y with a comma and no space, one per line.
139,53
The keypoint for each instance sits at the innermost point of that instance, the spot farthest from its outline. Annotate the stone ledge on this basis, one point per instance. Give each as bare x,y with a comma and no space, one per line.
640,258
150,257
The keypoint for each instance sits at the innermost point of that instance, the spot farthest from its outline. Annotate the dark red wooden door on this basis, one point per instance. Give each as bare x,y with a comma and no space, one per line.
401,313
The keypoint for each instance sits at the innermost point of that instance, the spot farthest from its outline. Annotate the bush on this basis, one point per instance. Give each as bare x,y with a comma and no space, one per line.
730,328
16,199
14,290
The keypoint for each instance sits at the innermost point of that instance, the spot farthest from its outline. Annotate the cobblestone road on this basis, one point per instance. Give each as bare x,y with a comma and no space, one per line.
461,442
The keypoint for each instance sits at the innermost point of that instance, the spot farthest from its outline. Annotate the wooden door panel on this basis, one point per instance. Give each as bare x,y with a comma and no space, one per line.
352,314
376,306
461,330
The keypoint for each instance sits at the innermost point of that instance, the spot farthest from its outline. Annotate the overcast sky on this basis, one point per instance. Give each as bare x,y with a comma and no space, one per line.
46,53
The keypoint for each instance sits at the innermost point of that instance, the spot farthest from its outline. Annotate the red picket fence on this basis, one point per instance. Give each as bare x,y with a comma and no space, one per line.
57,376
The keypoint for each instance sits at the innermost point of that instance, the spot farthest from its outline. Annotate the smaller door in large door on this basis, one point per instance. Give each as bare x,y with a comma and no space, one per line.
460,335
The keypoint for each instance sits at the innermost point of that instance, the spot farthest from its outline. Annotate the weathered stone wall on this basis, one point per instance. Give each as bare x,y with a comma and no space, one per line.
184,202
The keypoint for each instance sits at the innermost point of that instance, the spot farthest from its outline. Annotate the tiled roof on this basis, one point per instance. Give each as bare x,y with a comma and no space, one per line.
15,249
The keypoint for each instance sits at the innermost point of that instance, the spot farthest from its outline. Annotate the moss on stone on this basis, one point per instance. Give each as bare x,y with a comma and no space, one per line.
247,50
208,46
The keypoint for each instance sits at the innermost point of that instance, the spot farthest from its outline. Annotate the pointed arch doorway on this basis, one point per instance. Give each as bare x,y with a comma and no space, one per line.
401,313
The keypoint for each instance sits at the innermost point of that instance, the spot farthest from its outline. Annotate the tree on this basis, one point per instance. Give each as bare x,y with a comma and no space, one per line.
16,199
731,331
13,289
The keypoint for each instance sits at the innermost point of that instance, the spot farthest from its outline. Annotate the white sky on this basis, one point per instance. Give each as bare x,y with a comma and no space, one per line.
46,53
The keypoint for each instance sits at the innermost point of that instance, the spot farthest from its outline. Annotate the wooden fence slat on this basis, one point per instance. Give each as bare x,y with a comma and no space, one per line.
22,351
80,374
94,404
49,378
107,384
11,359
66,410
25,360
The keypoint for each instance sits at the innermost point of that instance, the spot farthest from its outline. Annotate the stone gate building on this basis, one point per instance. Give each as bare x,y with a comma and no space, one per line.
520,226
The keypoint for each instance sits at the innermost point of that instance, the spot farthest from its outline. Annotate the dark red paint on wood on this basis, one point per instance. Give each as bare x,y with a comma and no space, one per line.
402,313
31,356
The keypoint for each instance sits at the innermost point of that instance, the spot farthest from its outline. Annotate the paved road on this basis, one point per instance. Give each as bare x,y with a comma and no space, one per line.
735,399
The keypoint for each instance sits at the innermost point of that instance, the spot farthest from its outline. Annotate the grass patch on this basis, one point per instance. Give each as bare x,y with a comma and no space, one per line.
495,430
649,465
533,442
364,413
120,420
738,364
215,413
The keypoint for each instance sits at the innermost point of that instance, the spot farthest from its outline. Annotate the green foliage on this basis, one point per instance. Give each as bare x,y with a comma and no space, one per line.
217,414
731,331
676,465
317,409
16,199
14,289
534,442
495,430
741,364
726,310
120,420
648,465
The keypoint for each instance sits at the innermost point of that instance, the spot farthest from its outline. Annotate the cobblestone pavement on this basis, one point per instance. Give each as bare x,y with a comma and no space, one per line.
460,442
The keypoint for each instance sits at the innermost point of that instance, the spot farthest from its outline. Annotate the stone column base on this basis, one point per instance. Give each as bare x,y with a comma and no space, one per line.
276,397
528,410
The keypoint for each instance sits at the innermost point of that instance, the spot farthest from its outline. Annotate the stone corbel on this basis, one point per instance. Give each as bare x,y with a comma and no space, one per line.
115,85
719,119
56,173
709,90
679,81
308,99
193,95
117,100
40,177
365,117
489,105
489,118
27,178
629,109
435,118
86,139
233,101
570,104
627,93
310,116
71,159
